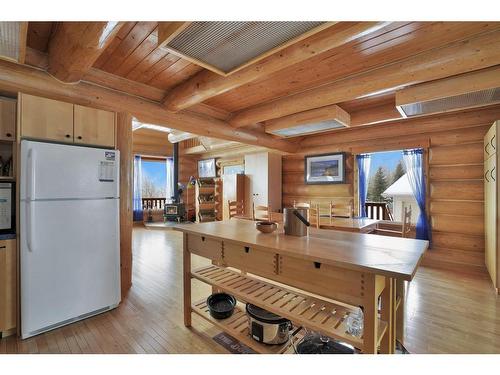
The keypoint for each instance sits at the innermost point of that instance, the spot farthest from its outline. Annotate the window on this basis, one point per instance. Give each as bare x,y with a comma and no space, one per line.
154,178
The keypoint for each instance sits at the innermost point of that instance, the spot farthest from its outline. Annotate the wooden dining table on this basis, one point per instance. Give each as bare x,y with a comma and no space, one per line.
358,225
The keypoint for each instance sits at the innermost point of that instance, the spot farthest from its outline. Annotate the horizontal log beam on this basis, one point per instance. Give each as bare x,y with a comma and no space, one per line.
207,84
21,78
75,47
461,57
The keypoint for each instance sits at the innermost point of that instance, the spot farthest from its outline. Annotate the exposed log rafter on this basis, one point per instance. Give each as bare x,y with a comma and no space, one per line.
207,84
457,58
75,47
15,77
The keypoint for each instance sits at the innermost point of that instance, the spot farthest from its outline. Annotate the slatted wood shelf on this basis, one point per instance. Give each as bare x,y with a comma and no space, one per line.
316,314
237,326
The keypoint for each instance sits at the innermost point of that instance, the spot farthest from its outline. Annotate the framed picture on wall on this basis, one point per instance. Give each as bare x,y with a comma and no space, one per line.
207,168
325,169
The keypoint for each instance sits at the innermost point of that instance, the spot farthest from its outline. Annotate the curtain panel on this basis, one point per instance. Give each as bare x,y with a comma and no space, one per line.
413,160
169,190
363,161
137,200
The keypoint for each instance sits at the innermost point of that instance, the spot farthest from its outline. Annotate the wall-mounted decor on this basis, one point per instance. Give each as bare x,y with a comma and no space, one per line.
206,168
325,169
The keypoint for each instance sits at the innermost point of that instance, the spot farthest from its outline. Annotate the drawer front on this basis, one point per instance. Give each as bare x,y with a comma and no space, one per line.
205,247
490,142
247,258
329,281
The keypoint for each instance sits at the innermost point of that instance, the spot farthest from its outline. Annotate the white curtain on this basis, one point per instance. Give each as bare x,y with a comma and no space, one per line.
170,188
137,189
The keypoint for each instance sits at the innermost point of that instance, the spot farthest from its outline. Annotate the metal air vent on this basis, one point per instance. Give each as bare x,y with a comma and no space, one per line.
469,100
470,90
9,40
225,47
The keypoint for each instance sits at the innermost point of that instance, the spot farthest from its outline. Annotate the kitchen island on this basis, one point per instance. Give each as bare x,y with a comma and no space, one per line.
315,281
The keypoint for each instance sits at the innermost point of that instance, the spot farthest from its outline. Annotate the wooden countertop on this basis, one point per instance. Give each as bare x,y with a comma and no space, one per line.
381,255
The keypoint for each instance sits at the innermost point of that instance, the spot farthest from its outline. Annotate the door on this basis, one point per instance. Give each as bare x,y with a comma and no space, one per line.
53,171
8,283
256,168
94,126
490,208
7,119
70,261
46,119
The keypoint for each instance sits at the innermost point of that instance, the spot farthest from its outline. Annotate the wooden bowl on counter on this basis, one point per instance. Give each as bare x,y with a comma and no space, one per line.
266,226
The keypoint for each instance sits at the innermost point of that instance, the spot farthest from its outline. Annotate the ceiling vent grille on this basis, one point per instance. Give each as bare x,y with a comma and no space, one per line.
225,47
469,90
9,40
468,100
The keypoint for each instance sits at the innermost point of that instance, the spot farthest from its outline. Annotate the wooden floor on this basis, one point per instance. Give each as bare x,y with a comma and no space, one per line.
447,312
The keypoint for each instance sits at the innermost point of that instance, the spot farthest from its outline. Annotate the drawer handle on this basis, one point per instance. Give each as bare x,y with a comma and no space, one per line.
317,265
67,135
247,249
3,247
8,135
203,238
79,137
492,175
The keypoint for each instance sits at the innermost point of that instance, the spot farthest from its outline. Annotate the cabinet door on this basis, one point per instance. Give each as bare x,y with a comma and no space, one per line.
8,277
256,168
94,126
490,207
7,119
46,119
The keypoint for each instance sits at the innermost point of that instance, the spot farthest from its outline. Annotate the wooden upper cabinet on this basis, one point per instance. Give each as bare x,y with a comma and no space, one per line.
7,119
94,126
46,119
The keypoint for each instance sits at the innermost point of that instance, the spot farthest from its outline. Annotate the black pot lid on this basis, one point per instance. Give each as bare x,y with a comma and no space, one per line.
313,343
263,315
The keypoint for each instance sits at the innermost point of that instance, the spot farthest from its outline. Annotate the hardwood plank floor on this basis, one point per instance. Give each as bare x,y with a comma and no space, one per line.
447,312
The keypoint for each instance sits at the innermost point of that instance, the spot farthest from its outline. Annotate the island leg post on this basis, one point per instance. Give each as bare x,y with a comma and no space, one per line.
186,270
387,345
370,313
400,314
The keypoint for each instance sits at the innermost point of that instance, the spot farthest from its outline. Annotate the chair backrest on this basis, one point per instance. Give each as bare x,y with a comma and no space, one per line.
235,208
260,212
406,220
276,216
314,216
302,204
341,210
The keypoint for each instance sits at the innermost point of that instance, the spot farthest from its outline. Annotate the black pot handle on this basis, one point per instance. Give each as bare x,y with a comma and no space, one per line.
301,218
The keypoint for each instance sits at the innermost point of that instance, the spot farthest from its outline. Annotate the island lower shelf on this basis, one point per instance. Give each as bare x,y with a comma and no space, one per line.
314,313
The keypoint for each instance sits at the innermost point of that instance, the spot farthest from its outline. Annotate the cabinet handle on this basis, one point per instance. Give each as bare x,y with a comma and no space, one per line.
492,144
79,137
247,249
3,247
202,238
68,135
8,135
492,175
486,176
317,265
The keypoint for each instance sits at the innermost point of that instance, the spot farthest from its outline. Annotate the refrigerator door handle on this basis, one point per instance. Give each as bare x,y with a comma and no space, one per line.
30,193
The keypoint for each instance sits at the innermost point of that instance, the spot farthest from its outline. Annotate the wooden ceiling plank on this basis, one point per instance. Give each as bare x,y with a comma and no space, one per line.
133,39
169,30
138,55
15,77
457,58
170,79
150,60
208,84
158,67
75,47
124,31
39,35
348,60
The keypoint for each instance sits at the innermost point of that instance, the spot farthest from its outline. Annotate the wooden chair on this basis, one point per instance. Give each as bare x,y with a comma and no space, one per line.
276,217
314,216
406,219
236,208
260,212
342,211
302,204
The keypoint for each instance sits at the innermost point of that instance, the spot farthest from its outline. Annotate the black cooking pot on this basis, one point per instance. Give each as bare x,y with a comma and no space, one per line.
221,305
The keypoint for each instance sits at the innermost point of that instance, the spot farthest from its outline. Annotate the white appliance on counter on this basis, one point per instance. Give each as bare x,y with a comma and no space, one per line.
69,234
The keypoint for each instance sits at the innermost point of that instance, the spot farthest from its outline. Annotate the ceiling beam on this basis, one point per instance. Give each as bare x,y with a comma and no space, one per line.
312,116
75,47
457,58
21,78
375,115
23,40
206,84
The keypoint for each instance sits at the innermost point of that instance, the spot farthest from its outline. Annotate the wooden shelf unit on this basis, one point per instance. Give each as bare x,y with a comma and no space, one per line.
205,200
326,317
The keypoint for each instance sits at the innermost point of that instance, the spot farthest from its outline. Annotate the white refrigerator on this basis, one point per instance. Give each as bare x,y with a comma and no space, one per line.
69,234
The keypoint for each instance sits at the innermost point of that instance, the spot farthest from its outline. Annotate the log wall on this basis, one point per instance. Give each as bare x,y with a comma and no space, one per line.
455,149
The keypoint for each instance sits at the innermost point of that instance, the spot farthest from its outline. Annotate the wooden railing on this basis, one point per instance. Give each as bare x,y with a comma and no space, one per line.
153,203
378,211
